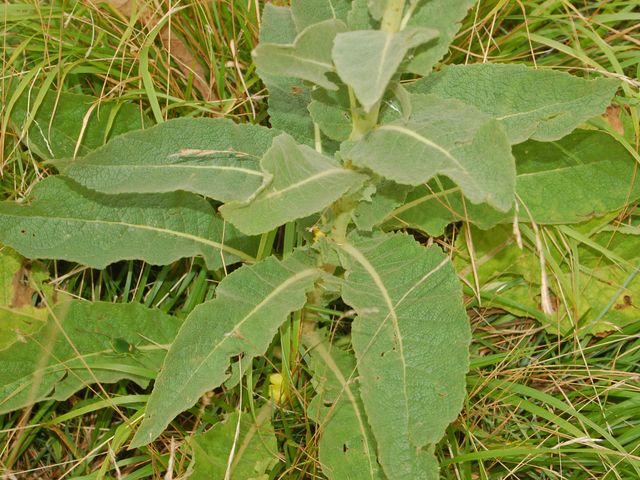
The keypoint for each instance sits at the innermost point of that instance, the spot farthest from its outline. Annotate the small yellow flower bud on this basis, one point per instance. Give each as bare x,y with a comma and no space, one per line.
276,388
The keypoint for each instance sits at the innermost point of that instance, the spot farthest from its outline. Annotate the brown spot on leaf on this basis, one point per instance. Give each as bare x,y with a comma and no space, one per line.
612,116
22,291
626,303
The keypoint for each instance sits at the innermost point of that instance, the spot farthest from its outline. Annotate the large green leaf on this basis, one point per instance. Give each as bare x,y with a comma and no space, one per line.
411,339
442,136
586,174
87,343
250,304
288,97
253,456
52,123
212,157
309,12
63,220
303,182
542,105
445,17
307,58
347,447
20,280
367,59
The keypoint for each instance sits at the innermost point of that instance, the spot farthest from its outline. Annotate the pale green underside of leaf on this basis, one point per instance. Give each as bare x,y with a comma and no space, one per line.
254,455
543,105
347,448
308,58
303,182
367,59
411,339
250,305
309,12
56,126
288,97
212,157
445,17
584,175
50,364
18,280
442,137
62,220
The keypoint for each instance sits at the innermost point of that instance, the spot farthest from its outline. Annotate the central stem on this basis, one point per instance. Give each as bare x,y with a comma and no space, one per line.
390,24
392,18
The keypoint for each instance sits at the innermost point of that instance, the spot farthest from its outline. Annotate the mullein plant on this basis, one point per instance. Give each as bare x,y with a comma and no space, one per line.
355,154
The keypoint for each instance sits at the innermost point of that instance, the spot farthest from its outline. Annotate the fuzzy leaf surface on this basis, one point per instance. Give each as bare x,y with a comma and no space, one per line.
307,58
250,304
411,339
330,110
585,174
288,97
347,447
367,59
309,12
255,449
106,343
54,122
212,157
63,220
442,137
543,105
445,17
303,182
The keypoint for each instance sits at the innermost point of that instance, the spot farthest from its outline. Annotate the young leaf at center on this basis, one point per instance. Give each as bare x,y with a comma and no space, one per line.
442,137
304,182
367,59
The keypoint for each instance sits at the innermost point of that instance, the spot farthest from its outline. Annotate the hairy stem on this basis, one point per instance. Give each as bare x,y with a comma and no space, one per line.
391,23
392,18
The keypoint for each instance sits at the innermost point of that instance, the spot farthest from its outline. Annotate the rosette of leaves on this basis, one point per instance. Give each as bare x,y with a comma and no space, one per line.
351,151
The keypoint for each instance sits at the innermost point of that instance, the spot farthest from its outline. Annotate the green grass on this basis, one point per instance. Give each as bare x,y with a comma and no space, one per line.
539,406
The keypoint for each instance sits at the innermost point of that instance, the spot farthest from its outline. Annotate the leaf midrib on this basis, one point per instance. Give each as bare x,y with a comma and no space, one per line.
248,171
304,182
220,246
276,291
